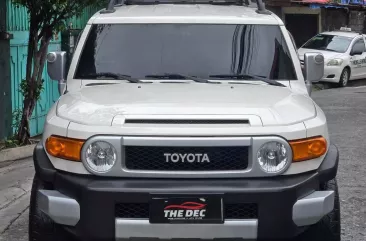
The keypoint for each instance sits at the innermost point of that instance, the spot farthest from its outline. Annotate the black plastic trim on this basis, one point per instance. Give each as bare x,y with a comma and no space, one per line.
42,164
329,167
186,121
275,198
97,196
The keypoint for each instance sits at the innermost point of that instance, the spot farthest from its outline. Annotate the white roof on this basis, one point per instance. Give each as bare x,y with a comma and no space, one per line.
185,13
342,33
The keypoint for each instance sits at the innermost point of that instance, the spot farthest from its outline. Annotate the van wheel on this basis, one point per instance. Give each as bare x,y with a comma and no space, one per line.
41,227
343,80
329,228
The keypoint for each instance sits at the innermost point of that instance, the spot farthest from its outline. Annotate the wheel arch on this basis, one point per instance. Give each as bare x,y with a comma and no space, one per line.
349,70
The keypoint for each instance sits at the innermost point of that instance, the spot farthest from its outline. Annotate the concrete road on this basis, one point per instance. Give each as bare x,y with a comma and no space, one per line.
15,185
346,112
346,115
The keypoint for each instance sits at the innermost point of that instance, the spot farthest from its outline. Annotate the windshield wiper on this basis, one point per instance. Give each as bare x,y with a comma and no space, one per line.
178,76
114,76
246,77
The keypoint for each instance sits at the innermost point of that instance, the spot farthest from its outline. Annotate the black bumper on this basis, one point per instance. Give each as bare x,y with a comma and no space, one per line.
98,196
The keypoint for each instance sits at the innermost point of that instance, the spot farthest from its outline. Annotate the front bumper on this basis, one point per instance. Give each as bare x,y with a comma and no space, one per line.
286,204
332,74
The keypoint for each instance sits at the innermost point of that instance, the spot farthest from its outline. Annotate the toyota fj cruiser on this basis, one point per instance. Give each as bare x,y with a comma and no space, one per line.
181,121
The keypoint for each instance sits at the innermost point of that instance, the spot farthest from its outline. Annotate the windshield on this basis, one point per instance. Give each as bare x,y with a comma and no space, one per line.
201,50
333,43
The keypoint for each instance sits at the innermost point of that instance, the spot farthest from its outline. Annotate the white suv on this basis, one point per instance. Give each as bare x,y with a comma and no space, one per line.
185,121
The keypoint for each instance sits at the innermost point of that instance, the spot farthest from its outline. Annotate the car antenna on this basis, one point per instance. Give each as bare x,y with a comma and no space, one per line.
110,8
261,8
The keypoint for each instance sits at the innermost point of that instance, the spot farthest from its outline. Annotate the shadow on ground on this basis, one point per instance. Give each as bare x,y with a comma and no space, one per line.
352,83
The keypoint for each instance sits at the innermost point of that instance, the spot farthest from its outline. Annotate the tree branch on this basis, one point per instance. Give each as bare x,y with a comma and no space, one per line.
45,17
32,47
46,39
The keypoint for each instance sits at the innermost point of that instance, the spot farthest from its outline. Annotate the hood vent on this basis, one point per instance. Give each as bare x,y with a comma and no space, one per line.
187,121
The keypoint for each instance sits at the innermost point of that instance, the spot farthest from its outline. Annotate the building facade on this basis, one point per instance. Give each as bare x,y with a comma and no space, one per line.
304,19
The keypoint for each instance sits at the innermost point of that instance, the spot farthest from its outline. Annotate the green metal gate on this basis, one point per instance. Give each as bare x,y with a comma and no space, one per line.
18,60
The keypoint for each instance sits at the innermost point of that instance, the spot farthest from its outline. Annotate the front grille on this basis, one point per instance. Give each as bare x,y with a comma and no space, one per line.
155,158
231,211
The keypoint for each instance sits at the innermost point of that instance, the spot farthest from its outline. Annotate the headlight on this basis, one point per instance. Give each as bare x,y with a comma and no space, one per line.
335,62
100,156
273,157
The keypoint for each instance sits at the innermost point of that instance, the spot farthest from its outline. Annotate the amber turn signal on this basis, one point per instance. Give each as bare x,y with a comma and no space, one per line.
310,148
65,148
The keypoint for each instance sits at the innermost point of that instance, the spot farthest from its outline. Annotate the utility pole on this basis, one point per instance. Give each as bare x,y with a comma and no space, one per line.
5,85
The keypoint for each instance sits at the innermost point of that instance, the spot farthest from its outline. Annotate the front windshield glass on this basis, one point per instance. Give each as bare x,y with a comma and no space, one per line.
332,43
202,50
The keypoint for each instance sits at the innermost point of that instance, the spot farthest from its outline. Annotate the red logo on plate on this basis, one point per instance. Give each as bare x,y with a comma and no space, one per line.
188,206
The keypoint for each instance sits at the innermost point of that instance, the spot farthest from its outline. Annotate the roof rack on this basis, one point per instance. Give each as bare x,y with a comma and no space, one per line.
112,3
110,8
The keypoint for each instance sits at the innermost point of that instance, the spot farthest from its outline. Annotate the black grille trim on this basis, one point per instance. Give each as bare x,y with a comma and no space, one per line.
177,122
241,211
231,211
153,158
132,210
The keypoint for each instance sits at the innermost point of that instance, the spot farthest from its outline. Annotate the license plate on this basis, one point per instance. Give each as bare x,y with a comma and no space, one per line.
186,210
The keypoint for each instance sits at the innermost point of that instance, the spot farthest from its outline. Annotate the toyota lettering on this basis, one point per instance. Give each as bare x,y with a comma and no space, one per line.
186,157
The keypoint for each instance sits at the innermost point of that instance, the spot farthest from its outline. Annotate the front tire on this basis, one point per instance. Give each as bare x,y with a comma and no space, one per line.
343,80
329,228
41,227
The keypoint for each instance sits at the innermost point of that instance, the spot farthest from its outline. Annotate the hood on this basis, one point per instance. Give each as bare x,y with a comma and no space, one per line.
327,54
99,105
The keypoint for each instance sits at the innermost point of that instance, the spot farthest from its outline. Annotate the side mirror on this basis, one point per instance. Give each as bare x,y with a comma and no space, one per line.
56,67
314,67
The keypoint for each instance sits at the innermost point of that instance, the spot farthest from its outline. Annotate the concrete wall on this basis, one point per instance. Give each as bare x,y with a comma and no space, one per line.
333,19
5,104
276,10
356,21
